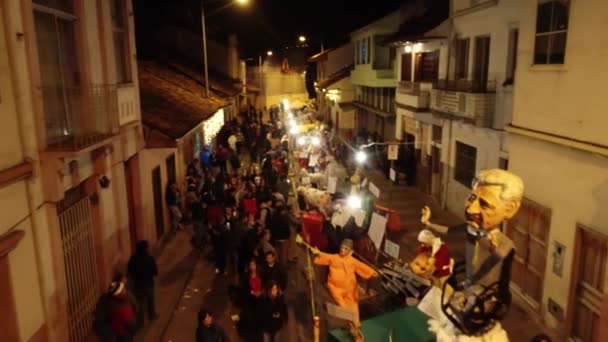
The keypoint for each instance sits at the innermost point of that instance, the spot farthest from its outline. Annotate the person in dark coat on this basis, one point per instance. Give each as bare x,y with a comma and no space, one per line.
142,269
273,312
208,330
272,271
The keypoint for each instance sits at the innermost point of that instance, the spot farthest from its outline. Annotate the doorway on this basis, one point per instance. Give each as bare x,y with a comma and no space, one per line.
588,283
406,67
130,168
529,231
427,66
158,202
171,168
480,64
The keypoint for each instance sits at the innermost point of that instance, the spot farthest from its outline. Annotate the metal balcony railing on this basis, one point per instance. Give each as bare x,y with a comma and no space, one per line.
465,86
78,117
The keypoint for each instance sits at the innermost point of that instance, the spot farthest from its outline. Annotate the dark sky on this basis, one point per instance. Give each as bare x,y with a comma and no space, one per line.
264,24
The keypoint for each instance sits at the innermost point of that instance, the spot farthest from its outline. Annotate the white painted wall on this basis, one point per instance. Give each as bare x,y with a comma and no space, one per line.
495,21
487,143
574,185
339,58
568,99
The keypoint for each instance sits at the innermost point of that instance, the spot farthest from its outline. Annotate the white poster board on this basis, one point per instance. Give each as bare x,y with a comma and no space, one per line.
374,189
393,175
431,303
393,152
377,228
391,248
332,184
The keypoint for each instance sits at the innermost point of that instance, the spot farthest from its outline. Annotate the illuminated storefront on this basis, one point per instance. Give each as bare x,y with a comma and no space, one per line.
212,126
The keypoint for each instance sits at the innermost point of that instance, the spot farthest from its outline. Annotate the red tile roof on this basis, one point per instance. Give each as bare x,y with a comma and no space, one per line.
173,103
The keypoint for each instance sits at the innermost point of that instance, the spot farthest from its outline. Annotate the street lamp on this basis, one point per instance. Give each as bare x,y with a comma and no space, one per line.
204,27
302,39
269,53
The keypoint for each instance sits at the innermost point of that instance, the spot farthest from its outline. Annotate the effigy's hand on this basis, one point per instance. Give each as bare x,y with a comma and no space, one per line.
426,215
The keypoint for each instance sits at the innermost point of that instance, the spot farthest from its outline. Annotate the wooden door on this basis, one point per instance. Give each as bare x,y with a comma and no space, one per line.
130,167
588,283
170,164
481,63
406,67
158,202
529,230
427,66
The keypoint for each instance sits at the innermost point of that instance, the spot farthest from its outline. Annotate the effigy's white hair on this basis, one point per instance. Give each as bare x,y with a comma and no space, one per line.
512,185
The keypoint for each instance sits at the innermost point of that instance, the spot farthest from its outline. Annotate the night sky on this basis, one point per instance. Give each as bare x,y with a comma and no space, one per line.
262,24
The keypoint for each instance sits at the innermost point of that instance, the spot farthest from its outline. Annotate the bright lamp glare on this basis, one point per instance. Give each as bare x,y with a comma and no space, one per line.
360,157
292,123
290,115
408,49
285,104
243,2
269,52
316,141
294,130
354,202
301,140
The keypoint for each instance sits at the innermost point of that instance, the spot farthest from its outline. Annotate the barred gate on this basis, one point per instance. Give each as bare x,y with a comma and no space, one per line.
80,267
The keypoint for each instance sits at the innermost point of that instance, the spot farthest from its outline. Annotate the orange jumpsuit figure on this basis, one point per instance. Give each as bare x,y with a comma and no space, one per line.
342,279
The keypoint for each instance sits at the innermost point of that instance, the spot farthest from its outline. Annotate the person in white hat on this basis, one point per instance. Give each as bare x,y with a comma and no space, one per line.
438,254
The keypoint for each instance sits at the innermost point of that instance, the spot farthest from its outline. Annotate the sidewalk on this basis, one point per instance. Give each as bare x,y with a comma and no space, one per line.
175,265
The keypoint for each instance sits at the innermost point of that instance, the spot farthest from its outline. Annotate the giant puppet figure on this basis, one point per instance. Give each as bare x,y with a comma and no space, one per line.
482,297
342,278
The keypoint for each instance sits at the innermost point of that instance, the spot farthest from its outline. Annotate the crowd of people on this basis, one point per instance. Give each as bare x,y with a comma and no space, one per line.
236,199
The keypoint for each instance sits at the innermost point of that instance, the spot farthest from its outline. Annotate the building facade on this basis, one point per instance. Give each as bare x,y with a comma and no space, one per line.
455,94
70,93
558,144
335,91
374,77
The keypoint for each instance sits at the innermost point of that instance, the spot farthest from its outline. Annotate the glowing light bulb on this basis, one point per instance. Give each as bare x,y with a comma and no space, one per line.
354,202
301,140
360,157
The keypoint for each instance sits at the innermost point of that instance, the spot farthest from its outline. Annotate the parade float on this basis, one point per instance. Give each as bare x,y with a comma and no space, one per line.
430,297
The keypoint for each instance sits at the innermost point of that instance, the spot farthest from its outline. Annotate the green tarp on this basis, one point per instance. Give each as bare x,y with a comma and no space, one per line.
408,324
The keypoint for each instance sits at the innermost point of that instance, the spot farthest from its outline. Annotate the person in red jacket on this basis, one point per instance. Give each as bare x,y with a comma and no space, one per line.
122,313
438,254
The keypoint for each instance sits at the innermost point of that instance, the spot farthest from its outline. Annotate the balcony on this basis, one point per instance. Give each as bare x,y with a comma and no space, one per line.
464,99
414,95
78,117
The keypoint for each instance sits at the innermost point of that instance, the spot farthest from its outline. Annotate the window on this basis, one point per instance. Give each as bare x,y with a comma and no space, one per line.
551,31
363,59
121,39
503,163
466,157
462,58
369,50
511,56
54,21
357,46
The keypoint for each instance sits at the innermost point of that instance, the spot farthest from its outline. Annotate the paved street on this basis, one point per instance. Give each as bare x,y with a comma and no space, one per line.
187,282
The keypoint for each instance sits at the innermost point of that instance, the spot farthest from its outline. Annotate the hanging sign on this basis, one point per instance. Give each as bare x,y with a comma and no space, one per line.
393,152
377,228
393,175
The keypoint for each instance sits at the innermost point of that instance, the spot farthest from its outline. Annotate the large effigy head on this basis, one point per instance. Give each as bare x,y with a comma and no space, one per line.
495,196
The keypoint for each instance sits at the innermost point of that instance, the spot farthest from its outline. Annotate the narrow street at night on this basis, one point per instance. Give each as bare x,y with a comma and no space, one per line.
303,171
